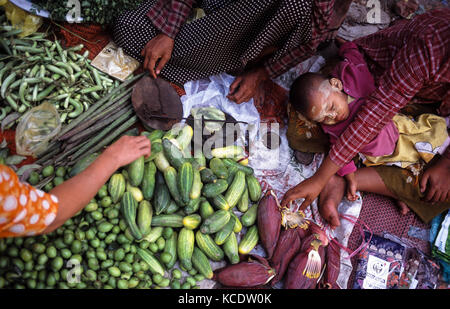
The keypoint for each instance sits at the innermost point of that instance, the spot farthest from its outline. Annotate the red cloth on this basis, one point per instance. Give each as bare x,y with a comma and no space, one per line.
410,59
94,37
10,137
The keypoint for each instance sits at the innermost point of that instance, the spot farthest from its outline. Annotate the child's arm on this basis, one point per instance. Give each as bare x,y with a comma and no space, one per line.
351,187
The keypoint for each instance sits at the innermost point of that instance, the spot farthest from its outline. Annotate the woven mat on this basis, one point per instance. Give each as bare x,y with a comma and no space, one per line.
382,215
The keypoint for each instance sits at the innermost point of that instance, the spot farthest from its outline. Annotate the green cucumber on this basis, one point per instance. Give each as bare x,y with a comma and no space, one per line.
254,188
201,263
185,181
136,171
215,188
172,220
185,247
161,198
220,202
223,233
148,180
230,247
215,222
218,167
234,192
129,209
208,246
173,154
171,177
144,217
249,217
116,187
249,241
153,263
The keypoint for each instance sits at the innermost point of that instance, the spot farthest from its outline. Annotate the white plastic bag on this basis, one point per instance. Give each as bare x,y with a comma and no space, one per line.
213,92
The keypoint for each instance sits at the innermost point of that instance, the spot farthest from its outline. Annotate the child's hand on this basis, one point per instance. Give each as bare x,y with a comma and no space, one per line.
351,187
127,149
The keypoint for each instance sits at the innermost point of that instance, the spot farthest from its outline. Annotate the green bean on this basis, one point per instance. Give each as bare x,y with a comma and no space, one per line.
75,66
22,90
5,69
32,80
66,66
35,93
7,82
2,113
78,108
12,103
34,50
45,93
56,70
5,47
22,108
91,89
34,70
60,50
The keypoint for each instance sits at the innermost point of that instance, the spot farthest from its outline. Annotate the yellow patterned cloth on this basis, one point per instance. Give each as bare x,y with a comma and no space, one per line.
419,141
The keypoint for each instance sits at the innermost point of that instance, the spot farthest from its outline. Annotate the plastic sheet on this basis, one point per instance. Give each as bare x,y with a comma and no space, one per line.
21,19
113,61
37,127
212,92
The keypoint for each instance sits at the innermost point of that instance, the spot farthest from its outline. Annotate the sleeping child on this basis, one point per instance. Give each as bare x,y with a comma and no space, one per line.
334,102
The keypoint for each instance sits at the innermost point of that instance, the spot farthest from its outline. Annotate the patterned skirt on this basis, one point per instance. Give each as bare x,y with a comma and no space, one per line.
225,40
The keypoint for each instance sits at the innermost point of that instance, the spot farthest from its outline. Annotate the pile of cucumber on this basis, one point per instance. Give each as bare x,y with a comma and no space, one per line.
207,203
158,223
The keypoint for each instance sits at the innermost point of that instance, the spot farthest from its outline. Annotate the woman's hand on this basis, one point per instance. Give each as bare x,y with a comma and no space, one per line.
436,181
127,149
248,85
159,48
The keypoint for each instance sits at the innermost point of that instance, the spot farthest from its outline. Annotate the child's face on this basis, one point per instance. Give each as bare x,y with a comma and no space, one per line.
329,106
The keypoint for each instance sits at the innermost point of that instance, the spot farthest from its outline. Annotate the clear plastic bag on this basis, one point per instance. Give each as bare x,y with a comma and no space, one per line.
21,19
37,127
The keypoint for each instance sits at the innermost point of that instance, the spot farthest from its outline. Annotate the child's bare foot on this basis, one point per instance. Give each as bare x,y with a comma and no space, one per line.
329,200
404,209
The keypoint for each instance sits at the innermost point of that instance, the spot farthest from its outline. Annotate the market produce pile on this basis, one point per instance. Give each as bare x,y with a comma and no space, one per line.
154,213
100,11
35,69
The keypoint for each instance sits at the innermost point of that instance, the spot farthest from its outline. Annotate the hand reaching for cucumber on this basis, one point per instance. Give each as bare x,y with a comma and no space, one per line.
127,149
76,192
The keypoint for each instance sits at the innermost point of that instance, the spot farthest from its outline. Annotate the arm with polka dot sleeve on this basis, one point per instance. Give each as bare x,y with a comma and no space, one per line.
24,210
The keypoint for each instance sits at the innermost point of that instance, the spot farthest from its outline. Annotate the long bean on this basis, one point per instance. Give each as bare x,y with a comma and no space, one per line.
96,117
101,136
100,125
122,128
99,104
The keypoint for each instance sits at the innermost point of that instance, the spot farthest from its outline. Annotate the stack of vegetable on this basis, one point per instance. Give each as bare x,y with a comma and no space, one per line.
158,222
201,201
35,69
101,12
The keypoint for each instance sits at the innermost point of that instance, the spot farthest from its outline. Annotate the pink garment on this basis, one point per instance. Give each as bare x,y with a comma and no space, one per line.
358,82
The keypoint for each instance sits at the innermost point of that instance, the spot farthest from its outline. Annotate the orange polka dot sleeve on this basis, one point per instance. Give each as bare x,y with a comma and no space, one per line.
24,210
